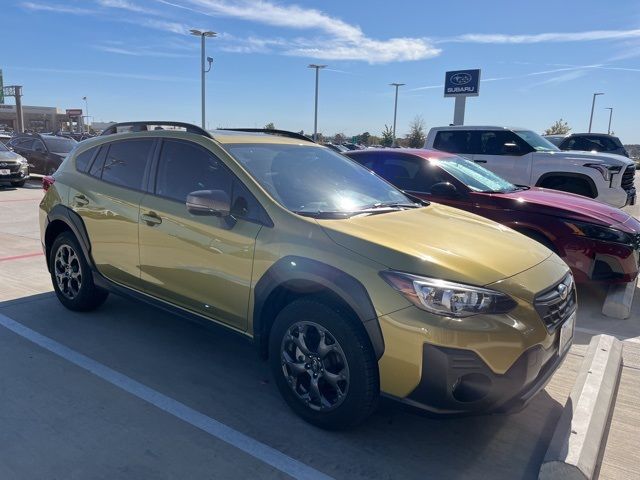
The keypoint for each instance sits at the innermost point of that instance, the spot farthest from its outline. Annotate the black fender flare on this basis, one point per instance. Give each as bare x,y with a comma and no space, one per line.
74,222
307,275
573,175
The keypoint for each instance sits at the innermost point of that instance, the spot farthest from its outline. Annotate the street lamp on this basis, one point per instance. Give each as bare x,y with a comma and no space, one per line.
395,109
203,35
86,107
315,118
610,115
593,104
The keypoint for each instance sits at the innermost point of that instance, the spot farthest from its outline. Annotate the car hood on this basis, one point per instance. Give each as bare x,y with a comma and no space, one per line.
439,241
9,156
588,157
562,204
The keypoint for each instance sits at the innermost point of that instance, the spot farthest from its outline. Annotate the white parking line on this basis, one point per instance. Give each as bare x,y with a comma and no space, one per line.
589,331
256,449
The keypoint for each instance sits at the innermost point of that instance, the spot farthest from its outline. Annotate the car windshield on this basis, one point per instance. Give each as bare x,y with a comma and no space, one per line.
315,181
3,147
536,141
473,175
555,140
60,144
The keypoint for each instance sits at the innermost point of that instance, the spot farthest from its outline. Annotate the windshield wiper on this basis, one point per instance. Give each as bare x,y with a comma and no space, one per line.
390,205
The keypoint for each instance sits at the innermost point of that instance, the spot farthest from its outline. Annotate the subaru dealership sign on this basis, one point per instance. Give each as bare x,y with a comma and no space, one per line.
462,83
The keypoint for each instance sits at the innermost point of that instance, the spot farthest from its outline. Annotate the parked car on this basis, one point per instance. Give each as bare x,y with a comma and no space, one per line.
525,158
600,243
589,142
13,167
5,137
336,148
44,153
348,286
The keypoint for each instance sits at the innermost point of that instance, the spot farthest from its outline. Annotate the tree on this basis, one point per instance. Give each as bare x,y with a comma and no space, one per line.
339,138
416,136
387,136
363,138
559,127
270,126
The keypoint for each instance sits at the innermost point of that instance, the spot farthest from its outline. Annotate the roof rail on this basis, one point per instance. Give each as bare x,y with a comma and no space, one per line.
271,131
143,126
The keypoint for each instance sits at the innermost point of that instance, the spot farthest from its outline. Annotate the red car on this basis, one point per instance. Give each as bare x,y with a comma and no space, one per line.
600,243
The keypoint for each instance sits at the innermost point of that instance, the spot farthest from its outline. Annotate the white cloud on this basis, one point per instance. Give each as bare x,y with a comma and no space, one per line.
56,8
124,5
133,76
340,40
544,37
138,51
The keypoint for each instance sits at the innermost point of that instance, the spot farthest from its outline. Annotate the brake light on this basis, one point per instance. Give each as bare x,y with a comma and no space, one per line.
47,181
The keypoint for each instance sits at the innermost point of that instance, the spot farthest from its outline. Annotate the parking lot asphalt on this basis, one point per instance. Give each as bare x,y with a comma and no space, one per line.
132,392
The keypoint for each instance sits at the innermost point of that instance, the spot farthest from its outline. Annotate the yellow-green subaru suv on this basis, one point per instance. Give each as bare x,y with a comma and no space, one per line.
348,286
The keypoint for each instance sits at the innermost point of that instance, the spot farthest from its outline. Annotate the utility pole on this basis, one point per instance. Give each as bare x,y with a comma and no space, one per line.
203,35
610,115
315,117
593,104
86,107
395,109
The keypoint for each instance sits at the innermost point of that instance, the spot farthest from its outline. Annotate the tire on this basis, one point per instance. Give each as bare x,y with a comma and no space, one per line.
18,184
348,384
71,275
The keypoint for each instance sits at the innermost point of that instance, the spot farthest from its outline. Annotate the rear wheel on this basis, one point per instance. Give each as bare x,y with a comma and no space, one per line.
71,275
323,365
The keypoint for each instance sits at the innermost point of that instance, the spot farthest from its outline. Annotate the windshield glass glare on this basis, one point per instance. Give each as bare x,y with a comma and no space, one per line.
539,143
473,175
311,179
60,144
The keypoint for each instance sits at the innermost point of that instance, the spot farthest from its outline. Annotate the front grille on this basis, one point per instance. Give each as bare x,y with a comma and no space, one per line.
13,167
628,177
556,304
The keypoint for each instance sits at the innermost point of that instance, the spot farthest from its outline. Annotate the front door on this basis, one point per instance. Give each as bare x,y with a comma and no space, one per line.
202,263
504,153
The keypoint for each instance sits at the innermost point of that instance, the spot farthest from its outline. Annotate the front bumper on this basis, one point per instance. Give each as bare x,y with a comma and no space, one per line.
596,261
456,381
15,176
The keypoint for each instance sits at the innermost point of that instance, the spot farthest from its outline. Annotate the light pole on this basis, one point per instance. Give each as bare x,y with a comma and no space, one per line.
593,104
203,35
315,117
86,107
610,115
395,109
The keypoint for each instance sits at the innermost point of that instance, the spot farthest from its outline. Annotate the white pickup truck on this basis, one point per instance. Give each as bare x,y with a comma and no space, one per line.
525,158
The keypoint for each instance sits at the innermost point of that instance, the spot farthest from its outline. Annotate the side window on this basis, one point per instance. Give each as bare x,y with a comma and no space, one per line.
245,205
186,167
96,168
126,163
38,146
452,141
409,173
84,159
501,142
26,143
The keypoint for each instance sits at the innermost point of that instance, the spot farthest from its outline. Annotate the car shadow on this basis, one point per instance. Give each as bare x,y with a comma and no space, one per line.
219,373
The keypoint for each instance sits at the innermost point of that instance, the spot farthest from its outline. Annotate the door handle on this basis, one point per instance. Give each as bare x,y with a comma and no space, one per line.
81,200
151,218
480,161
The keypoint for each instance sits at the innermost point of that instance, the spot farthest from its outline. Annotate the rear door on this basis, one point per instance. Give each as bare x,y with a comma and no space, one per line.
106,193
504,153
201,263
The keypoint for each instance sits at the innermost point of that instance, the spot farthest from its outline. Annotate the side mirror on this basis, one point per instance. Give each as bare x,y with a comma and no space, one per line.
209,202
444,189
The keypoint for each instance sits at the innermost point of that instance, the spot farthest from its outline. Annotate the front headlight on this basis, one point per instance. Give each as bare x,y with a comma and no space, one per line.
598,232
22,160
448,298
607,171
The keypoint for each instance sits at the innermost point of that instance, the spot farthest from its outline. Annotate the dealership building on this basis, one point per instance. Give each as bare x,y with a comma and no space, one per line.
41,119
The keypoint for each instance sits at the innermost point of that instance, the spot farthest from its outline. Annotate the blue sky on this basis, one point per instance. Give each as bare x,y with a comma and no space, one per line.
134,59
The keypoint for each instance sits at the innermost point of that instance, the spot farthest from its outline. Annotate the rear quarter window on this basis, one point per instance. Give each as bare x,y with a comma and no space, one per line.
452,141
83,160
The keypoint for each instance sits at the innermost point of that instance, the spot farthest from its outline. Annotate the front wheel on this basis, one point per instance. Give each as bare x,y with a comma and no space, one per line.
72,277
323,365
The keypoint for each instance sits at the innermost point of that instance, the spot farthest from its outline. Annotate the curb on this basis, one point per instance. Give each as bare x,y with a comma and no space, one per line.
575,446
